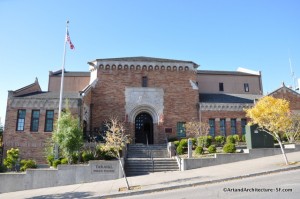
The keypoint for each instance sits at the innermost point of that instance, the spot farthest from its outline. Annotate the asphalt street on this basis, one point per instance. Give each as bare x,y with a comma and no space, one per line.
276,186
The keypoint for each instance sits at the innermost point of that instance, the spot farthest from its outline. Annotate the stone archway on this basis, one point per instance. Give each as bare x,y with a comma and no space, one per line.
144,128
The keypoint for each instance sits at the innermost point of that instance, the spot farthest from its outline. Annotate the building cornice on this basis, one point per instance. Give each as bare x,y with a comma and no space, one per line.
224,106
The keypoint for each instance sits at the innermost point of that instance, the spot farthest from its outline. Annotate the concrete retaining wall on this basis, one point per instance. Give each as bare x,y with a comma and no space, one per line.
193,163
97,170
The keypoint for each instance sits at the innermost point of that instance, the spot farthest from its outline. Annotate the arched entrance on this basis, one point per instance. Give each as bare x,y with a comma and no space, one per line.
144,128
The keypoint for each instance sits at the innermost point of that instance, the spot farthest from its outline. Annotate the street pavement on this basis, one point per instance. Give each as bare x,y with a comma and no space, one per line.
161,181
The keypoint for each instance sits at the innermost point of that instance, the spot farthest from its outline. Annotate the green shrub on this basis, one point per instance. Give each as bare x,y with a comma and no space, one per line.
50,159
100,152
26,164
176,143
87,156
244,138
75,158
172,139
11,158
205,141
284,138
64,161
55,163
212,149
194,142
229,148
220,140
199,150
236,138
180,149
110,154
183,142
2,168
230,139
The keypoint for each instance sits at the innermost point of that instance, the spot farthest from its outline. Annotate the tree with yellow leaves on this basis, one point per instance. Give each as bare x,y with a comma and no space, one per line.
272,116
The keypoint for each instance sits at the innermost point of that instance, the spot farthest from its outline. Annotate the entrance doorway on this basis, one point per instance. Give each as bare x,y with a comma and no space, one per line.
144,128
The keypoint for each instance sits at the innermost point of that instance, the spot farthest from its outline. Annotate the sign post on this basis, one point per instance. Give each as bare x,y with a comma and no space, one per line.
190,148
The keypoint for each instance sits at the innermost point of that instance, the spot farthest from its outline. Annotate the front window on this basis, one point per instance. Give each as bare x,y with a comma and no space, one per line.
223,127
49,121
212,127
181,129
35,116
221,86
246,87
233,126
21,120
144,81
244,123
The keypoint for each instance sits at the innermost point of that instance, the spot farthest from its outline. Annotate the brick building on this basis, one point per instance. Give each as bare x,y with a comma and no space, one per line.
289,94
154,96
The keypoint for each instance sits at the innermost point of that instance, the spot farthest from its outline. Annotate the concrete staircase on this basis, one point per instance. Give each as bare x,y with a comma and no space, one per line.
143,159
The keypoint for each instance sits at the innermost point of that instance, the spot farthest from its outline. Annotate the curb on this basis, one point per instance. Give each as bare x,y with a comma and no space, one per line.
195,184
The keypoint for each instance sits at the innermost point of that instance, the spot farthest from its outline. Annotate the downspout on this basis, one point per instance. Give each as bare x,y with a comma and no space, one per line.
260,83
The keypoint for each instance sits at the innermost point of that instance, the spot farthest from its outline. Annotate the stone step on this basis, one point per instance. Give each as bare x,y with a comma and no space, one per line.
142,166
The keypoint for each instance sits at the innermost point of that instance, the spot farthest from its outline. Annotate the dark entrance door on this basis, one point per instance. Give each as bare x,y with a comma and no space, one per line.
144,128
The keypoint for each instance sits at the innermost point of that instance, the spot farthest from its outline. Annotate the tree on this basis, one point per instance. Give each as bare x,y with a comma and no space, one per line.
11,159
68,134
293,132
196,128
116,139
1,134
272,116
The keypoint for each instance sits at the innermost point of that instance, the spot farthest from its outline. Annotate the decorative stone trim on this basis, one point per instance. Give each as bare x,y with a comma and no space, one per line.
40,103
141,99
144,66
224,106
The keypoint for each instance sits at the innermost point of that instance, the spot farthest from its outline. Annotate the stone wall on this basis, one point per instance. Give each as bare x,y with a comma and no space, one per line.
224,158
97,170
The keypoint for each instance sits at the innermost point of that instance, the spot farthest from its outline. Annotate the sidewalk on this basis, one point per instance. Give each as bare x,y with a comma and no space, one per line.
164,180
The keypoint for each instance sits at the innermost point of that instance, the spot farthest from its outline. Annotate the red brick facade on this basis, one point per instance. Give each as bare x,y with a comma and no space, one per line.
169,95
180,99
288,94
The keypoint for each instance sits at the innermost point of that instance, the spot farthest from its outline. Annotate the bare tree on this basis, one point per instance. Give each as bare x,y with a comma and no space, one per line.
293,131
116,139
196,128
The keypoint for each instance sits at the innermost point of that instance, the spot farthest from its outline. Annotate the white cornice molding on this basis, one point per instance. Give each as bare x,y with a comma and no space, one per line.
224,106
36,103
152,65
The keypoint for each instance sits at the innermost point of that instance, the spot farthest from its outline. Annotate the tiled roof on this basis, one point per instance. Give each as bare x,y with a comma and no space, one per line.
214,72
50,95
70,73
227,98
283,87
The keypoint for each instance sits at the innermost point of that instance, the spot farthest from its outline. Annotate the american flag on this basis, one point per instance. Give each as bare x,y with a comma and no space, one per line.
69,40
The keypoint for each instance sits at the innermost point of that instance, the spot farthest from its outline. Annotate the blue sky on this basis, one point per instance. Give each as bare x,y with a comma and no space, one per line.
217,34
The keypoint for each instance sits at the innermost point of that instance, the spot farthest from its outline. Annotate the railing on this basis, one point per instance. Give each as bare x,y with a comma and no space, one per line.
150,153
91,136
1,154
178,159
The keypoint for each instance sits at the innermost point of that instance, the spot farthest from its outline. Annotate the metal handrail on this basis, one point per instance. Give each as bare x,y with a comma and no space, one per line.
178,159
151,158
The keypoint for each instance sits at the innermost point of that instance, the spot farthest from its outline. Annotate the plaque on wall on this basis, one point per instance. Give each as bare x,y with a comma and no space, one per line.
168,130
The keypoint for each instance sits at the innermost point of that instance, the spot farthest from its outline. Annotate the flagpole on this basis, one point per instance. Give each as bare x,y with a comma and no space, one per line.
61,87
62,73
